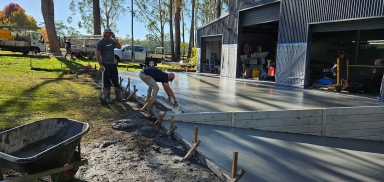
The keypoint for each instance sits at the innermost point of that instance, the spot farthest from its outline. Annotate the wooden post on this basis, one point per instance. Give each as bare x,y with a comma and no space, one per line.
234,165
195,138
121,81
127,67
191,151
145,106
172,128
127,88
133,94
160,118
171,123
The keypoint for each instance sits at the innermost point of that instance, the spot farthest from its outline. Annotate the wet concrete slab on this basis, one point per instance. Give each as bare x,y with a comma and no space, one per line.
265,155
197,93
273,156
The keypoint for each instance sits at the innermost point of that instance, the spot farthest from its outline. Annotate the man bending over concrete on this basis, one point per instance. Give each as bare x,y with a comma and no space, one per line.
152,75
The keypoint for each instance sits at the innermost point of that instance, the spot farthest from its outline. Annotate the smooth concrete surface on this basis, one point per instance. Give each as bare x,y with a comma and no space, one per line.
273,156
197,93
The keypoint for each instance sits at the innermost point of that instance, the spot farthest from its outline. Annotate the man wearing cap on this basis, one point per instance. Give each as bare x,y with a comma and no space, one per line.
106,58
152,75
68,48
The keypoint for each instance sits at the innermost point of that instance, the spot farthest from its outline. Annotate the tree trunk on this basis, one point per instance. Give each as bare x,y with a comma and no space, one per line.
47,8
192,31
171,30
182,32
177,30
161,26
218,9
96,17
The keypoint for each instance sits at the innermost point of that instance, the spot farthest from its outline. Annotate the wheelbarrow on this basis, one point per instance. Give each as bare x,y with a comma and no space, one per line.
43,148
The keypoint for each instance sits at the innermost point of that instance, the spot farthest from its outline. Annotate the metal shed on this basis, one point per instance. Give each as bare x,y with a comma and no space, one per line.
297,21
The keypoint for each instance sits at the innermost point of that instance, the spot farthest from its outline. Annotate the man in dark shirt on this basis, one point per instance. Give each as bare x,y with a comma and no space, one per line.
152,75
106,58
68,48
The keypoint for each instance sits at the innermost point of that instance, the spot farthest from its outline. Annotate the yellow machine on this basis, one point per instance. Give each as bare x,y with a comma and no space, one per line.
342,75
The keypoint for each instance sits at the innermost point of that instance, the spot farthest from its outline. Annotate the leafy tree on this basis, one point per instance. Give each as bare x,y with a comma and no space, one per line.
208,9
14,15
193,60
6,13
111,11
47,8
121,41
154,14
183,47
19,18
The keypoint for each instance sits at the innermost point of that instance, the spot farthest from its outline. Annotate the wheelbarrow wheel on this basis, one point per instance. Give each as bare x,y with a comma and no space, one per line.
67,175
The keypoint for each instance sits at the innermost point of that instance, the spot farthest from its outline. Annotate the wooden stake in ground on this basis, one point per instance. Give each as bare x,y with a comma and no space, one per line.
172,128
121,81
128,87
191,151
236,176
160,118
133,94
145,106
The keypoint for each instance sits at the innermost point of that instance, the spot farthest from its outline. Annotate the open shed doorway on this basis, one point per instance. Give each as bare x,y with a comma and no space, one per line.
258,50
364,50
211,54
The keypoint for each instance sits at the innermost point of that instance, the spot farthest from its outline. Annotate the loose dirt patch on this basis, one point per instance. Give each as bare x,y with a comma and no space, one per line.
137,150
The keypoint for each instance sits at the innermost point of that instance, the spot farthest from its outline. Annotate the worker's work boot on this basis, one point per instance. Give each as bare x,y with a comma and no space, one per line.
119,94
107,92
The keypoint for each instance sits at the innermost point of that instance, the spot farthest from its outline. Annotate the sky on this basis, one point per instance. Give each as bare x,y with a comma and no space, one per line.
62,12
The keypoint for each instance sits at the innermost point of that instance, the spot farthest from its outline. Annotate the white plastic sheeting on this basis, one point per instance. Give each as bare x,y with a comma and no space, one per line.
198,64
291,63
228,60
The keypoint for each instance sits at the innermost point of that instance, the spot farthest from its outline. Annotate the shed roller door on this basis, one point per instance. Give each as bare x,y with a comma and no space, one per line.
363,24
261,14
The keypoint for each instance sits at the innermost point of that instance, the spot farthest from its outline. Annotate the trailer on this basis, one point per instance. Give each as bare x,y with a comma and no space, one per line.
21,39
84,45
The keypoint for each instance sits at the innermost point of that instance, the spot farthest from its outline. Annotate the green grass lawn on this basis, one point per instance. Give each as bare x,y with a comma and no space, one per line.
34,88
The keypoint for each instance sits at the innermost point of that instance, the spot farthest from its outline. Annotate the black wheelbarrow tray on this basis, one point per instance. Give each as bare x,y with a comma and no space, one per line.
43,147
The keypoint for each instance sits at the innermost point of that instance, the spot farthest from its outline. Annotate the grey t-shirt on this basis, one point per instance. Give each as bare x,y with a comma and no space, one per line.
106,48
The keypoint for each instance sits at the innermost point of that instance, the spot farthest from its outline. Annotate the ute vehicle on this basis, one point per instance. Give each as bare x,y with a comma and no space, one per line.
21,39
141,55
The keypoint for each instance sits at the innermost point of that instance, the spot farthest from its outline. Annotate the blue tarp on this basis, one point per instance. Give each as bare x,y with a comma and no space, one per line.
327,81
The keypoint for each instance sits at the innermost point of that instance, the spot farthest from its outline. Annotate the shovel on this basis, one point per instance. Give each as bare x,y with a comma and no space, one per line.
102,96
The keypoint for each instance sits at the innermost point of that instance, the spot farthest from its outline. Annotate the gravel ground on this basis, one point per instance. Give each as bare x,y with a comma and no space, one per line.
134,149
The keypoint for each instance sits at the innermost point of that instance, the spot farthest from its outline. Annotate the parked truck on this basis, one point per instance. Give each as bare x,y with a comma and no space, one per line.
84,45
21,39
140,55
